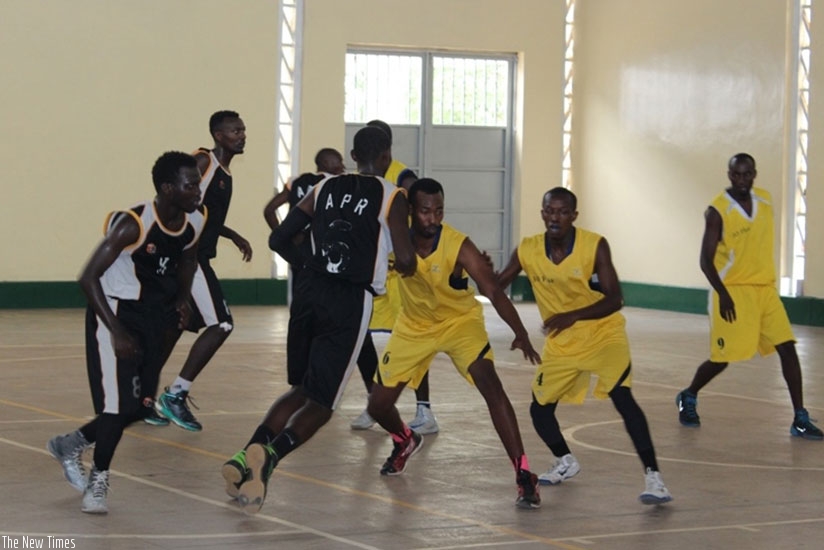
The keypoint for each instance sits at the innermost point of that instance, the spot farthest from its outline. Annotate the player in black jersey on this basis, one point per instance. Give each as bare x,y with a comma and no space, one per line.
357,220
137,283
210,309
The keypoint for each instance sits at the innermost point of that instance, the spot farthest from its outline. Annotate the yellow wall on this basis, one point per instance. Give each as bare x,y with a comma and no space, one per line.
531,28
94,91
666,92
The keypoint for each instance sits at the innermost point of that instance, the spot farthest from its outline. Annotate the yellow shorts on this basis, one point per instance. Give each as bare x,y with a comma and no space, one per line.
411,348
761,323
566,378
385,308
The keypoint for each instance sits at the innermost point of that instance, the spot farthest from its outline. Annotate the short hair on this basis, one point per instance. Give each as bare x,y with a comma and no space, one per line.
383,126
565,193
427,186
738,157
218,118
167,167
370,143
324,154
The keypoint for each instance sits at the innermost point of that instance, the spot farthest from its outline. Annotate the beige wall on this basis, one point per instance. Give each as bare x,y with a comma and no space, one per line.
814,270
531,28
666,91
94,91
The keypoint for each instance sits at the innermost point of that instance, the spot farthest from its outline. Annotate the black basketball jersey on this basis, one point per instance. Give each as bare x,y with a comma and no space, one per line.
216,190
146,271
301,186
350,231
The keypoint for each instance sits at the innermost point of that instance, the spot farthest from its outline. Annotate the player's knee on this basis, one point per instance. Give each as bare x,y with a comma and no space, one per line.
540,412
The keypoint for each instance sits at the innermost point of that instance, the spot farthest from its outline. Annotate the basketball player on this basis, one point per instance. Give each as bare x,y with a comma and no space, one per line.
439,313
747,314
384,312
585,335
210,307
137,283
357,220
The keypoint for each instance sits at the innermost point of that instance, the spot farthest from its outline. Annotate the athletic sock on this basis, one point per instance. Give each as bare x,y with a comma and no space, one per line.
405,434
180,385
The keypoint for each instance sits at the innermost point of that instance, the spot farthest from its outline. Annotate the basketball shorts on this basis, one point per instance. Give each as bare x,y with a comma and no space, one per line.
209,307
328,321
411,348
567,378
761,323
386,307
119,385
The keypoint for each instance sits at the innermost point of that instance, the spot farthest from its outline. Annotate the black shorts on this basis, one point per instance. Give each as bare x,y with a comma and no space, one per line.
119,386
209,306
328,321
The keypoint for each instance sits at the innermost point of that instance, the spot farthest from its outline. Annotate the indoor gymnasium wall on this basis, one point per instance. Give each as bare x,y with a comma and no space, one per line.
666,91
531,28
814,272
94,91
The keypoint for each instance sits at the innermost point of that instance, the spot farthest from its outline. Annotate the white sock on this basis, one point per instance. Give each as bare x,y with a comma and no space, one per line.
180,385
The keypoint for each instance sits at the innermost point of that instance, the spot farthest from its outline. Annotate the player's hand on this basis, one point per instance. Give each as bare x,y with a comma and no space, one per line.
557,323
125,344
184,312
522,343
244,247
726,307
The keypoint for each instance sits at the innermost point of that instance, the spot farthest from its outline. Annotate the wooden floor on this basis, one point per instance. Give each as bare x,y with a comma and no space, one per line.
739,481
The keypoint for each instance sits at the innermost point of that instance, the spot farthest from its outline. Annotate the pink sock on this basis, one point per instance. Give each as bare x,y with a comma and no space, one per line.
521,463
405,434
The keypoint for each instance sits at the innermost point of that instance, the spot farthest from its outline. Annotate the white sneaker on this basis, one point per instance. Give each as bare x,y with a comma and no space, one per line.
424,422
94,497
564,468
362,422
68,450
656,492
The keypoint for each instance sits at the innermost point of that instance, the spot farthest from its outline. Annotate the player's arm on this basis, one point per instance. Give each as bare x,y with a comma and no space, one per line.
713,229
612,301
471,259
124,232
512,269
406,260
282,238
241,243
270,211
185,275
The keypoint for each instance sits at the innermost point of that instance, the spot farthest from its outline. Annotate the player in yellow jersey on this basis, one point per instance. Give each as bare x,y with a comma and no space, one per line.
585,335
746,312
439,313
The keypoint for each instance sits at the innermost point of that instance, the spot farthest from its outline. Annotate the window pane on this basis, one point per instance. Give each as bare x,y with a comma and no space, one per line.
383,86
470,91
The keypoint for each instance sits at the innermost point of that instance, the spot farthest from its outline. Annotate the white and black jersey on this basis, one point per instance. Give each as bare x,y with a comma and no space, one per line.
350,231
300,186
146,271
216,190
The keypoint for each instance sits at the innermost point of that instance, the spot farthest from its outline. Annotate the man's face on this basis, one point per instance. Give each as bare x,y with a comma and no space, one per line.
558,216
185,192
427,214
742,175
231,135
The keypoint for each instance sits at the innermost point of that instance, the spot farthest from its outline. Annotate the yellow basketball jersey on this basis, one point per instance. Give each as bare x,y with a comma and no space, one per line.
745,252
394,171
565,287
431,295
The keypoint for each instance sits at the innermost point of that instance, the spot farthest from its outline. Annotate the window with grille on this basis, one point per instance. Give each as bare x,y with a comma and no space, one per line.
384,86
470,91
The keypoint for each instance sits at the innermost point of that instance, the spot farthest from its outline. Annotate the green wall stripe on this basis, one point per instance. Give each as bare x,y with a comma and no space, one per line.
243,292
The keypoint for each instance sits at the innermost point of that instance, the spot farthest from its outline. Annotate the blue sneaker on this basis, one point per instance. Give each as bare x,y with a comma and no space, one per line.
802,427
173,406
687,415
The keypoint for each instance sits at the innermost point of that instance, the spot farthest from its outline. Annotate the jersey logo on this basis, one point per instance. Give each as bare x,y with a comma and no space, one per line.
334,248
151,248
221,184
162,264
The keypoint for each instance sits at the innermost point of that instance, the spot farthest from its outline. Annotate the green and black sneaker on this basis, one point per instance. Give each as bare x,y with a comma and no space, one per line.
260,462
235,472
